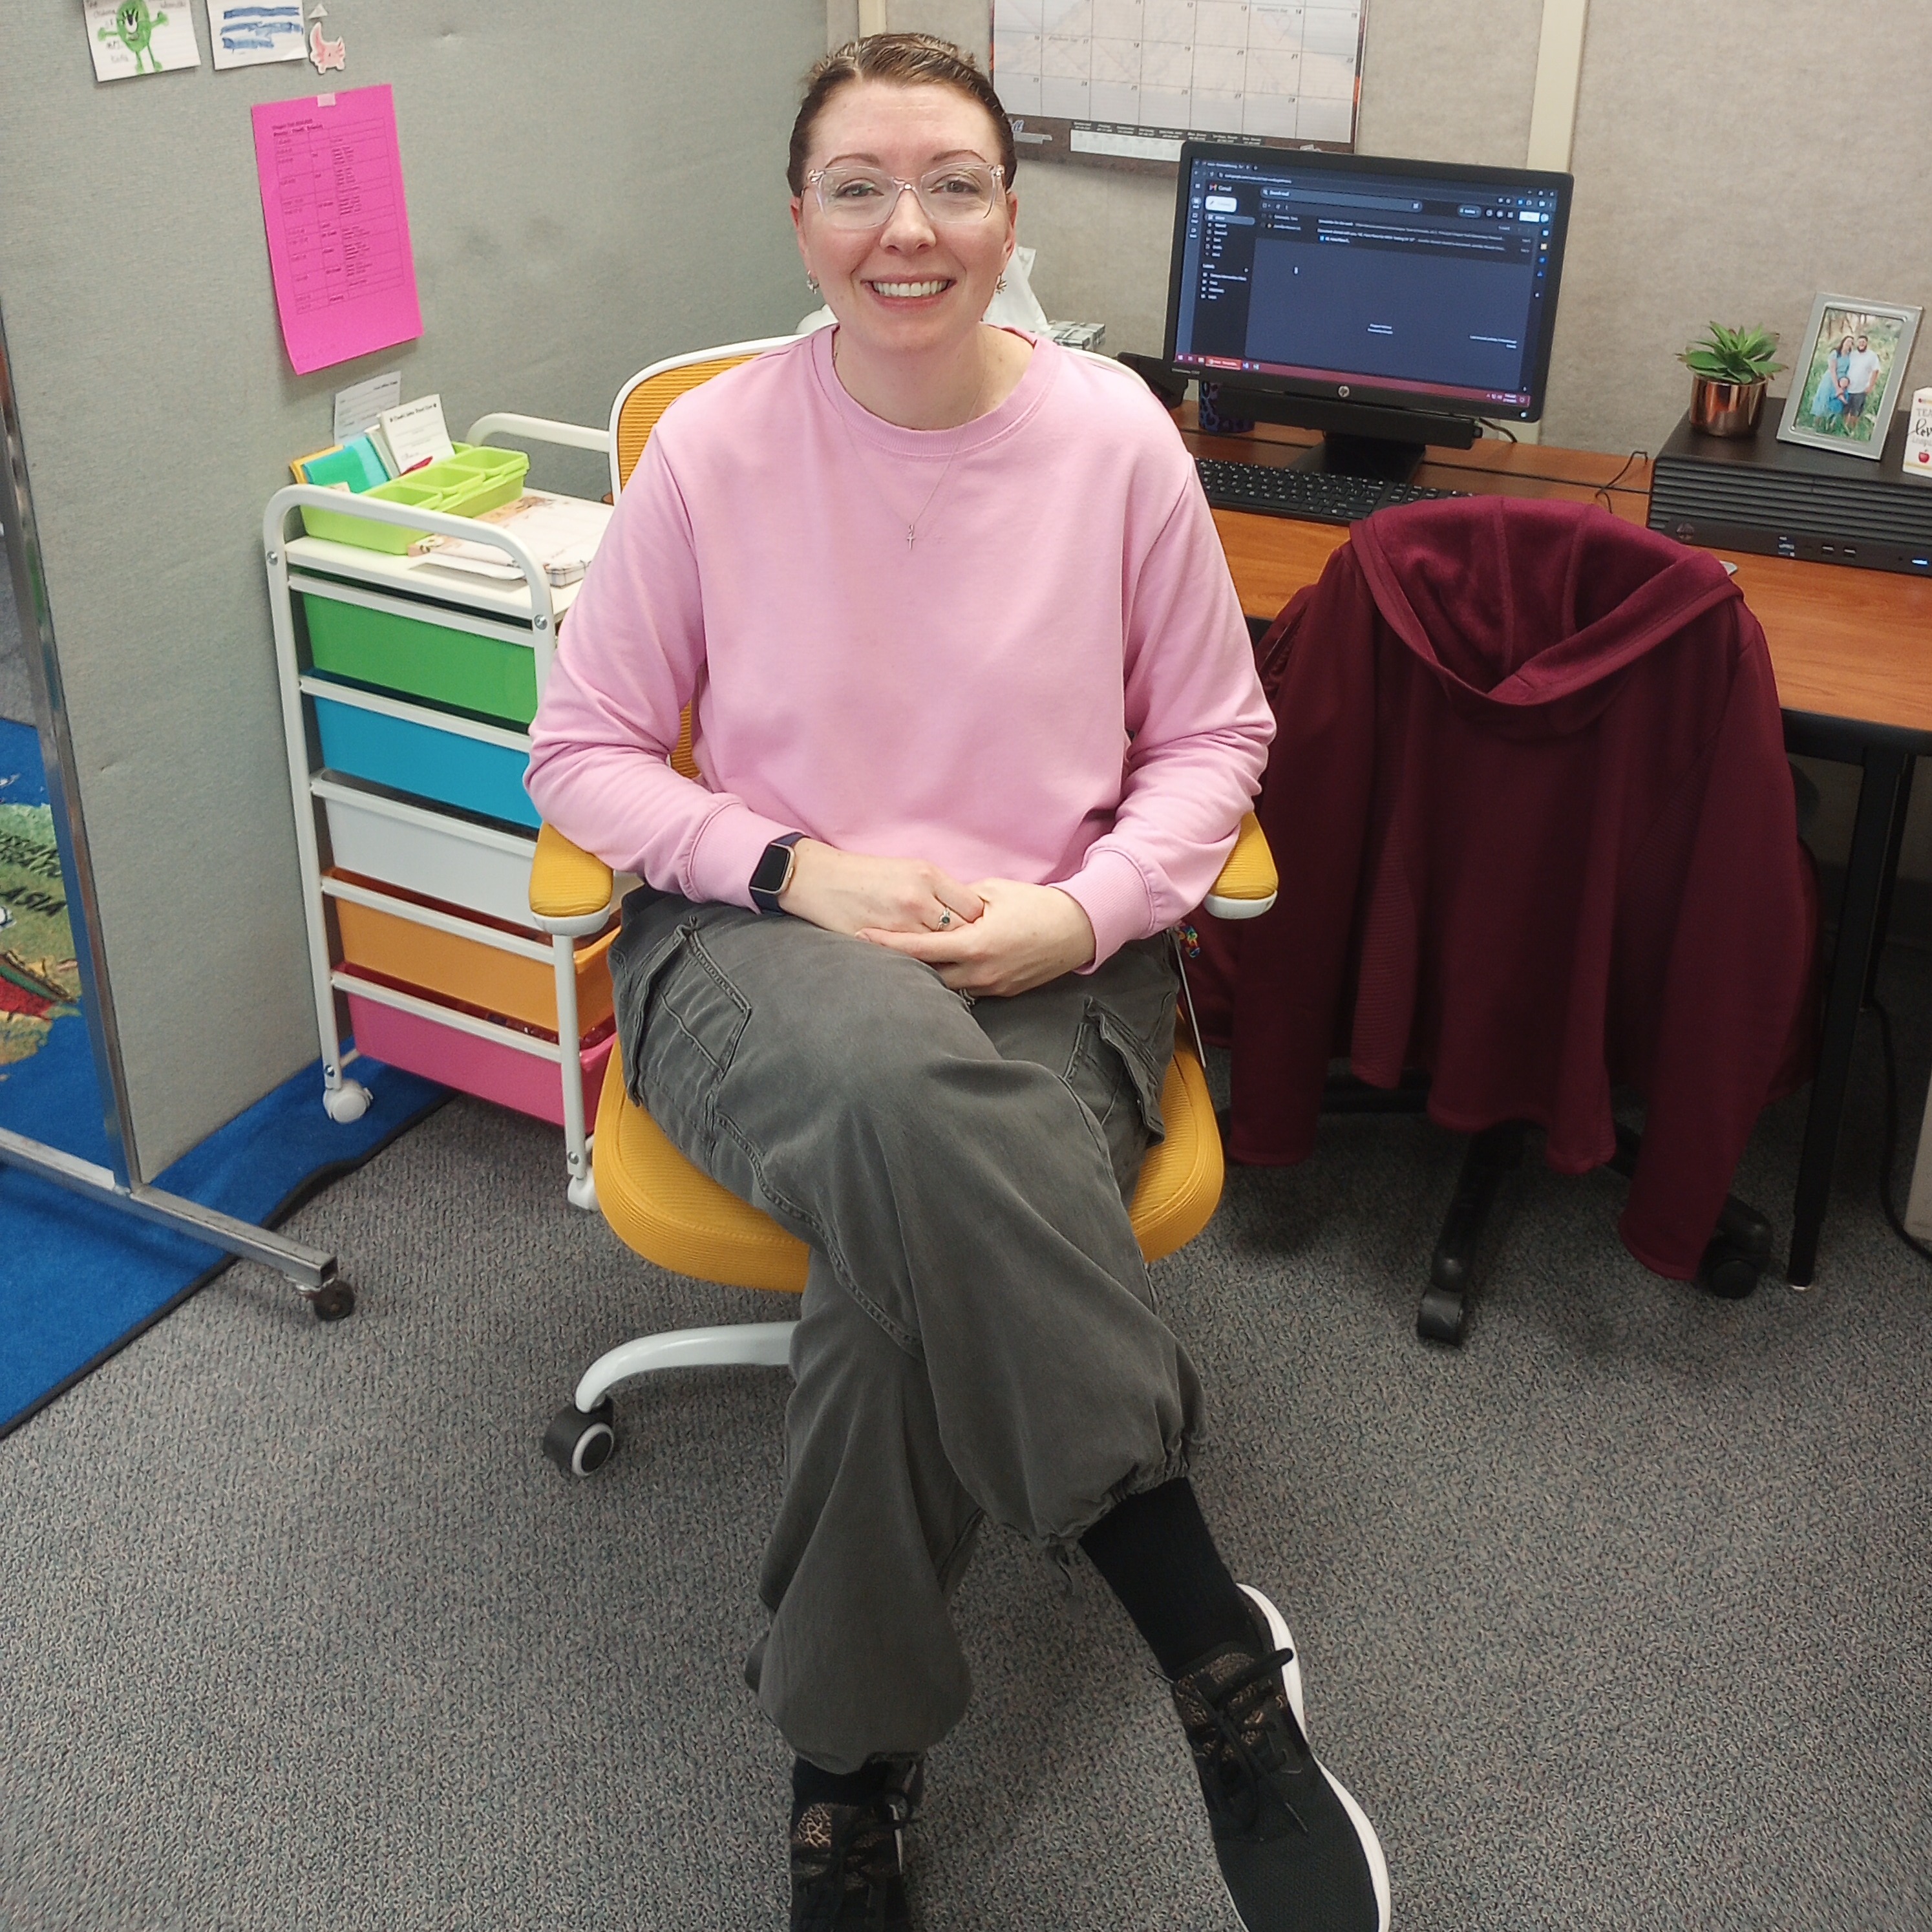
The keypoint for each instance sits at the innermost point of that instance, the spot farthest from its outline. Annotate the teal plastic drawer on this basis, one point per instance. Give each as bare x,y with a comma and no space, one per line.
425,763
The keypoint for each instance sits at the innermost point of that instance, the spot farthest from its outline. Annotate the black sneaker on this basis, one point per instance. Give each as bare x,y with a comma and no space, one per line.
848,1861
1297,1852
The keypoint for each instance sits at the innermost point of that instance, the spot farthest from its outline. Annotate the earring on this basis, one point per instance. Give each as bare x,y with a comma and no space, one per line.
811,283
999,287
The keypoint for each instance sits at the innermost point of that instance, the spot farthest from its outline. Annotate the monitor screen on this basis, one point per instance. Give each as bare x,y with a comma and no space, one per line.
1409,284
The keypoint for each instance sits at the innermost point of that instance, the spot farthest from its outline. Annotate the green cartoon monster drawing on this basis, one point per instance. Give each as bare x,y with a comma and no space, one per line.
134,27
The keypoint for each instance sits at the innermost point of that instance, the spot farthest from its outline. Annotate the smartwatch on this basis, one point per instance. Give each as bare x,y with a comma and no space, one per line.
773,873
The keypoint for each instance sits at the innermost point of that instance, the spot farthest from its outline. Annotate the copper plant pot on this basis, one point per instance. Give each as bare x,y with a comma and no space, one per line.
1725,409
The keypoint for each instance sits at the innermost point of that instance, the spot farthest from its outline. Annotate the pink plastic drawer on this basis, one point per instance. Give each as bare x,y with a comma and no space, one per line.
484,1067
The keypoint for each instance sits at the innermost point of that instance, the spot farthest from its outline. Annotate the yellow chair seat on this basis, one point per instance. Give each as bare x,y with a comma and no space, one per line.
661,1206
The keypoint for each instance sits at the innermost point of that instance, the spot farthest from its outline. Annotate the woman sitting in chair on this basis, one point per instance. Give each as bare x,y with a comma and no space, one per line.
977,719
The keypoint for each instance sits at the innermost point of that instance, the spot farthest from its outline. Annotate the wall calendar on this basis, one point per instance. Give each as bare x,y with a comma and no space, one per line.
1123,82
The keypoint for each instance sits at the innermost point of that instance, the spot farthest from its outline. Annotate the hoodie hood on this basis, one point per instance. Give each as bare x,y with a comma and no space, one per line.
1527,614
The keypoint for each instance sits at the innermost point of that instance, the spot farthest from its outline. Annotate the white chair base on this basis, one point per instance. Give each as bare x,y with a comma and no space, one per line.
756,1345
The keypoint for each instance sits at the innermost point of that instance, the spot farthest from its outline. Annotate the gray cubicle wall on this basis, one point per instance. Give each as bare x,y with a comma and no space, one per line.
1733,157
591,185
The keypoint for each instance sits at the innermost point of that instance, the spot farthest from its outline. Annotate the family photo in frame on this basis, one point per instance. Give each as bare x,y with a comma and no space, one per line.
1848,376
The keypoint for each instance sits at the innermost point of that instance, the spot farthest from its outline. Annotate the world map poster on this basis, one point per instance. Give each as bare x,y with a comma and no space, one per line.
40,979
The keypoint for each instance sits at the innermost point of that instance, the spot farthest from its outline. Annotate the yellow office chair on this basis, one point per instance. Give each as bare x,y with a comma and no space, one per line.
671,1213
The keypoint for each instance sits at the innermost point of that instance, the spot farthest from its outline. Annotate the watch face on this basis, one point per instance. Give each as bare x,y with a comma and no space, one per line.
773,869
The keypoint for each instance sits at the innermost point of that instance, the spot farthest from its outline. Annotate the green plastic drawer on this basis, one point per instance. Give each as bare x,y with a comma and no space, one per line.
486,675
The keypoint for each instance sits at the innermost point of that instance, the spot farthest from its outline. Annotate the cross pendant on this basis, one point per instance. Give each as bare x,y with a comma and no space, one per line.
909,533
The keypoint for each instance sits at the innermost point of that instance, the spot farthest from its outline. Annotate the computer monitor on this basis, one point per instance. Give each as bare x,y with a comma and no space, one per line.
1389,304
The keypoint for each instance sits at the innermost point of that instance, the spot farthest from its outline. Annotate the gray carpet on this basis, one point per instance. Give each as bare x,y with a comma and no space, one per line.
1617,1618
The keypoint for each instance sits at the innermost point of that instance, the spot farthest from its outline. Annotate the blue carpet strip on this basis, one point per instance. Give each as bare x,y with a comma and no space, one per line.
80,1279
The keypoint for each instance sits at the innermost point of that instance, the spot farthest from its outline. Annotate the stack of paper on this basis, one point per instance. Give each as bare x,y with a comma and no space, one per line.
561,533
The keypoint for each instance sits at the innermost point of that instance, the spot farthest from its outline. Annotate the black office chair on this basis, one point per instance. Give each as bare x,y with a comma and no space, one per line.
1490,687
1733,1260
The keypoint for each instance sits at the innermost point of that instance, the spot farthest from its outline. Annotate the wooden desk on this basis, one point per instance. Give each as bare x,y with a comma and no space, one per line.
1852,652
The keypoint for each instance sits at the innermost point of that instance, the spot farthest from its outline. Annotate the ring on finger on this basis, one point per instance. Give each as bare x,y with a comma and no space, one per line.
945,917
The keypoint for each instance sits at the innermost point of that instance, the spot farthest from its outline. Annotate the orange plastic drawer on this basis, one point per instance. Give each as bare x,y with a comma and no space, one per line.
388,947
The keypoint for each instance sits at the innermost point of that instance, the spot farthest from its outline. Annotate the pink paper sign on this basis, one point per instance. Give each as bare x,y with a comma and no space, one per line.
331,176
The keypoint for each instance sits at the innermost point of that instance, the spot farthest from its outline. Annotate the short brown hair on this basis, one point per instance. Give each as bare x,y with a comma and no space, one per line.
907,60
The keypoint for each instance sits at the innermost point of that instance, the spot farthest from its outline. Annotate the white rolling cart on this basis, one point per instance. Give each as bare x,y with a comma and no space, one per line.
406,691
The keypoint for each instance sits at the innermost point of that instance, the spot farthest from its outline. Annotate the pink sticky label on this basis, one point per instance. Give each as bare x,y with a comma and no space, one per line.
331,178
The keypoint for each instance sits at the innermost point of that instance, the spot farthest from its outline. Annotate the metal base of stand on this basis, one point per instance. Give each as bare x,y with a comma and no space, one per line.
310,1269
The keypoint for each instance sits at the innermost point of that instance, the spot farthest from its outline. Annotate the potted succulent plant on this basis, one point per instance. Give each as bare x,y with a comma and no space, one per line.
1729,368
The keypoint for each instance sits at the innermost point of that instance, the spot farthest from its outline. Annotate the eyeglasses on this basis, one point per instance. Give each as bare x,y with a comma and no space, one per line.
865,197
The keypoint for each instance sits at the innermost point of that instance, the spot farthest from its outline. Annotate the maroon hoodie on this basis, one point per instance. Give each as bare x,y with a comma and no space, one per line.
1529,802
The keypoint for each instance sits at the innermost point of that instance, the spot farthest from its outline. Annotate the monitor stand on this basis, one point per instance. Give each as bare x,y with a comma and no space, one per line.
1357,439
1372,456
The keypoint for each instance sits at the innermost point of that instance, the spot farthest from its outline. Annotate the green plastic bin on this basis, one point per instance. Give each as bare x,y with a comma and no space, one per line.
466,484
490,676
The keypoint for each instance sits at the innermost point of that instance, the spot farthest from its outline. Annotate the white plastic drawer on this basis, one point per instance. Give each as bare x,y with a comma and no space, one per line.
444,858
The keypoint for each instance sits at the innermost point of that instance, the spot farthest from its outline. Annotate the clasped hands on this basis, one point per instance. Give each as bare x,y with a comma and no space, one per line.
1001,936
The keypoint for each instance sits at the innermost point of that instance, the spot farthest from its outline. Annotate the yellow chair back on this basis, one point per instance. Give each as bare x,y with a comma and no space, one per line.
641,404
646,396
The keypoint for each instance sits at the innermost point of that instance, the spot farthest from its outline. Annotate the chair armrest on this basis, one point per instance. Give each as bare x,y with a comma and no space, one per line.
570,890
539,429
1246,887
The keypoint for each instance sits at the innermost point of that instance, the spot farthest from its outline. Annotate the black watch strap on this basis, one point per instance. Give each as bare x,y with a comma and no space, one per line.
773,873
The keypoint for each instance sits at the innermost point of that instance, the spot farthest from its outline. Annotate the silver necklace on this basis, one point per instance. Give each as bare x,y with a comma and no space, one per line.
958,442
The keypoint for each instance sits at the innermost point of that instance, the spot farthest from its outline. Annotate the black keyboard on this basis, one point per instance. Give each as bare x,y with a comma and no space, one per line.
1314,495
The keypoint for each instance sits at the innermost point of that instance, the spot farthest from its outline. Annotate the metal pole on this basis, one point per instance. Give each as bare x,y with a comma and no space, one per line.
1887,773
123,1184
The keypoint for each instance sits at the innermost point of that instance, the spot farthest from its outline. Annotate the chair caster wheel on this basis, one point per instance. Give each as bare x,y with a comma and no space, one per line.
332,1303
1728,1271
348,1101
580,1444
1441,1316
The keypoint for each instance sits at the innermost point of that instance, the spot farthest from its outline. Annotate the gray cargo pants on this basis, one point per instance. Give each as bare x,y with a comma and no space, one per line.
978,1336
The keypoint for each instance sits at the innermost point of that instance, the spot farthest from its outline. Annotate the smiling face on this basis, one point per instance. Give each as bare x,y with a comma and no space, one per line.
910,287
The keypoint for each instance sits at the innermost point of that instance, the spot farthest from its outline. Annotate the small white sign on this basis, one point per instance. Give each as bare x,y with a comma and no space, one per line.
252,33
1918,436
360,407
416,433
128,37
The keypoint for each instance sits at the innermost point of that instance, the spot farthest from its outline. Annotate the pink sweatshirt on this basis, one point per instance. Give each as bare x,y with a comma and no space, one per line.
1053,684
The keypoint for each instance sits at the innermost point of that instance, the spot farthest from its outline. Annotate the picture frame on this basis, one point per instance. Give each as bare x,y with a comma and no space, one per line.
1848,338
